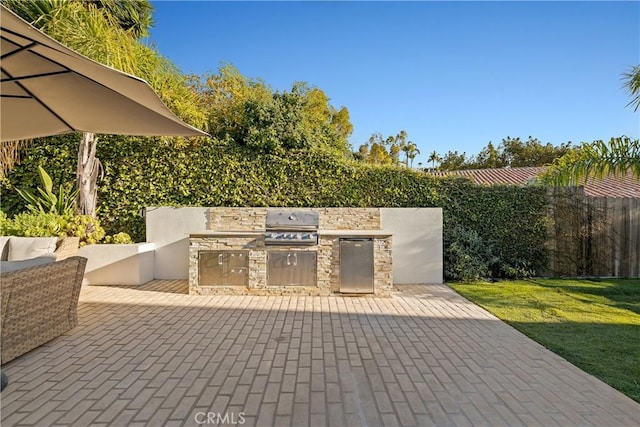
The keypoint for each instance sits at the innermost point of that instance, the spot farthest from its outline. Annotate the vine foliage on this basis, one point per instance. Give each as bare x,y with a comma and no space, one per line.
495,231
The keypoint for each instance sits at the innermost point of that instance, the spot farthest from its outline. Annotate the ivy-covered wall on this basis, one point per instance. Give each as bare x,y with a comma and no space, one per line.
489,231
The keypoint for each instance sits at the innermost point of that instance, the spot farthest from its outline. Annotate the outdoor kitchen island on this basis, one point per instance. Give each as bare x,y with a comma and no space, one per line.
273,251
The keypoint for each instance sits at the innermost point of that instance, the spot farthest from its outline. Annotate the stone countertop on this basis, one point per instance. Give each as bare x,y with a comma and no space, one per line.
218,233
378,234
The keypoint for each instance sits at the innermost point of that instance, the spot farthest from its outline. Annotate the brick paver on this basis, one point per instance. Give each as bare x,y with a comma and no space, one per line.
153,355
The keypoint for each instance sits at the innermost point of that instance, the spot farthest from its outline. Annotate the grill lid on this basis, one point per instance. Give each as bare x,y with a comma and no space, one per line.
292,220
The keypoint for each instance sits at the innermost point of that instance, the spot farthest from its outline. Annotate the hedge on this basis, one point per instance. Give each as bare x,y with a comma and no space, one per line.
501,229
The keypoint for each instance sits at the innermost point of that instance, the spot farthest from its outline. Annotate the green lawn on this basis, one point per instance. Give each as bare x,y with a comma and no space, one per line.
594,324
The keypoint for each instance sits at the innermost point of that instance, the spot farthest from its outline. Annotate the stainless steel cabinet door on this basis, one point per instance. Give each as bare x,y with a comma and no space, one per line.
292,268
223,268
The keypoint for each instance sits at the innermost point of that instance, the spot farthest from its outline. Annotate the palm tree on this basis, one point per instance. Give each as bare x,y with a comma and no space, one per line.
632,84
597,159
433,158
394,149
411,151
400,144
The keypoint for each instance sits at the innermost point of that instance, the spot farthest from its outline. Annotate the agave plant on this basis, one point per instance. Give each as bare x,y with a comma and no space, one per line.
46,200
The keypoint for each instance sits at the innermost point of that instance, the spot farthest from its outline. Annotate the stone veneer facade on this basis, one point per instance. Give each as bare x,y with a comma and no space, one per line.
240,229
253,219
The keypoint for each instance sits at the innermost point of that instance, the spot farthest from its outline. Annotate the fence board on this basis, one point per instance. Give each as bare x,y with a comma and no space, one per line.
593,236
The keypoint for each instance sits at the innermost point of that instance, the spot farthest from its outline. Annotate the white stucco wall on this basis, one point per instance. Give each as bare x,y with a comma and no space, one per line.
417,243
118,264
169,229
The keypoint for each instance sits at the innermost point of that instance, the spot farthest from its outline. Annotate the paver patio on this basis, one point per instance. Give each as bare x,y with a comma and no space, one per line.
153,355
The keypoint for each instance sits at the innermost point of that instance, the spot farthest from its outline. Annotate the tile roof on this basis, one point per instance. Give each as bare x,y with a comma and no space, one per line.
610,186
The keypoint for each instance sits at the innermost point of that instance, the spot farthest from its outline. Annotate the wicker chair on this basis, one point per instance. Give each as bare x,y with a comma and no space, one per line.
39,304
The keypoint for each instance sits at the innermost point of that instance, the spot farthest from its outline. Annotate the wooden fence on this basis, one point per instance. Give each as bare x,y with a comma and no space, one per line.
593,236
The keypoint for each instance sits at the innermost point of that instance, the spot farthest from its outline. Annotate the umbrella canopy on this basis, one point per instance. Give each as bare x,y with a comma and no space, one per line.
48,89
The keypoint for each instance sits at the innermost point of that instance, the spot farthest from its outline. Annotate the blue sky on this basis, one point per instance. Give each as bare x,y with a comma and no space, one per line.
453,75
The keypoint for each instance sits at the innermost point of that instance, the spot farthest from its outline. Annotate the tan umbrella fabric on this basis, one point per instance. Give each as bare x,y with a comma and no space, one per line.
48,89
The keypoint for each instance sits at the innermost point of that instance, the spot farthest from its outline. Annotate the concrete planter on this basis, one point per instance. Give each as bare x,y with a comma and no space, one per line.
118,264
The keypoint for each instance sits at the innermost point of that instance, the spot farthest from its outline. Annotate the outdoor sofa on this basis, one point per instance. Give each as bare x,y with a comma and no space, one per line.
22,252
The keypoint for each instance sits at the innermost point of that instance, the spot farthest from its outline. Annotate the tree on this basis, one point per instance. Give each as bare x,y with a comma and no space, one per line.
322,122
377,150
399,144
341,122
10,152
238,106
531,152
453,160
409,148
632,84
362,153
133,16
511,152
380,150
378,155
597,159
107,31
374,151
489,158
433,158
275,125
394,148
411,151
225,95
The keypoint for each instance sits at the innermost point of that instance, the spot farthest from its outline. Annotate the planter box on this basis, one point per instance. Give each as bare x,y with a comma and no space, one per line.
118,264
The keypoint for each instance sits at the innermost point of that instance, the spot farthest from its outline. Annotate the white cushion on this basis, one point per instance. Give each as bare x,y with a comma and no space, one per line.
4,248
6,266
30,247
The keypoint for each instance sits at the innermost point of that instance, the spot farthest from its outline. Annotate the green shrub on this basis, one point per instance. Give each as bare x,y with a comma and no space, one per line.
468,256
46,200
4,221
85,227
35,224
41,224
119,238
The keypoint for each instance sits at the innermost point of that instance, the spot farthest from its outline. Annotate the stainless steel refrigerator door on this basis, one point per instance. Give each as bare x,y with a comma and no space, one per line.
356,266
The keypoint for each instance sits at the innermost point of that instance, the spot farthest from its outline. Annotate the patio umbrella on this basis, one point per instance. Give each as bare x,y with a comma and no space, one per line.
48,89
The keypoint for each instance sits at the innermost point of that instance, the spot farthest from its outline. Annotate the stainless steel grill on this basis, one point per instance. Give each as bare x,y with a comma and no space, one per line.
294,228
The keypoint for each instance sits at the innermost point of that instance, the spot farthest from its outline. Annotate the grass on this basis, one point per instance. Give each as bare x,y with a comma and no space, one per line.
594,324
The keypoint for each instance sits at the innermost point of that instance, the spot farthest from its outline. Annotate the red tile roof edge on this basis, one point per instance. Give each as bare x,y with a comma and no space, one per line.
610,186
